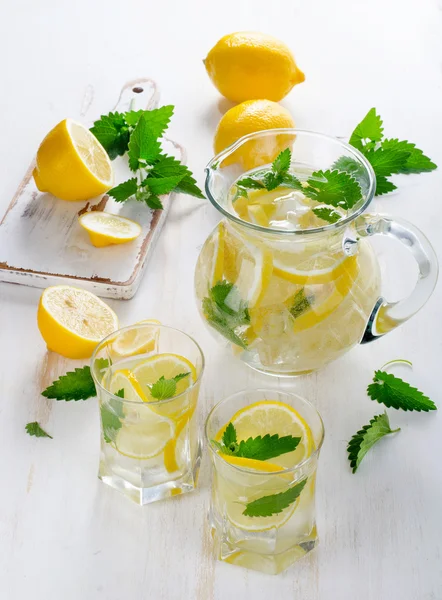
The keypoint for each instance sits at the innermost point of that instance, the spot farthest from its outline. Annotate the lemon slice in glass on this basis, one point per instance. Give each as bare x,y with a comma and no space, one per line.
137,340
105,229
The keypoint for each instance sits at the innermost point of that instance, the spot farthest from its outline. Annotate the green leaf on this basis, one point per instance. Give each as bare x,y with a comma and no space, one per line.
274,504
157,119
273,180
35,429
229,435
396,393
281,163
370,128
384,186
168,166
218,321
162,185
291,181
112,414
269,446
336,188
166,388
301,303
75,385
366,438
144,147
113,134
416,161
188,186
125,190
154,202
250,183
327,214
387,161
120,393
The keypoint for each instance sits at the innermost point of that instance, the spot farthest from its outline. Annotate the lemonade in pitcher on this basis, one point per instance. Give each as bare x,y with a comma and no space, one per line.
288,279
147,378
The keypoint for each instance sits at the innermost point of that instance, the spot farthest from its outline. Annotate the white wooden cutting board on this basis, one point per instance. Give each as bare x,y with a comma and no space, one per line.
42,244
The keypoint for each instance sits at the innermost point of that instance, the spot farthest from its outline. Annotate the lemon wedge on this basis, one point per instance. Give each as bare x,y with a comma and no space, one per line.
72,164
105,229
73,321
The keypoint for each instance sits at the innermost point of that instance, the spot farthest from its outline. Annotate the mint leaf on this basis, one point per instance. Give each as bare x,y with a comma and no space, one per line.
396,393
384,186
154,202
336,188
387,160
120,393
291,181
75,385
327,214
188,186
281,163
163,185
168,166
250,183
301,303
113,134
272,180
156,119
229,435
218,321
111,416
166,388
144,146
125,190
416,161
274,504
369,129
269,446
35,429
366,438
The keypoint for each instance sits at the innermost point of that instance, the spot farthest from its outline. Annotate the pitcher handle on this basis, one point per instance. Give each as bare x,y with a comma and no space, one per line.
386,316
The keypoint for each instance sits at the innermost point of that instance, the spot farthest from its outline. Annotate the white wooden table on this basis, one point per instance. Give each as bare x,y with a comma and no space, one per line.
63,534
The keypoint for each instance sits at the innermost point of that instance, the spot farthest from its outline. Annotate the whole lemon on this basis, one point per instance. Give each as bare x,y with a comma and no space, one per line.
248,117
250,65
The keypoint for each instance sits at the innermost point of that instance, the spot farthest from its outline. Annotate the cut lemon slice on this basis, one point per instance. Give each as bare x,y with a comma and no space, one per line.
120,381
311,272
218,262
73,321
272,416
137,340
252,464
105,229
145,438
164,365
72,164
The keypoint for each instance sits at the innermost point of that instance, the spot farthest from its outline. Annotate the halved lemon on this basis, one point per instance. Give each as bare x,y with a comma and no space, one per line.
105,229
73,321
72,164
137,341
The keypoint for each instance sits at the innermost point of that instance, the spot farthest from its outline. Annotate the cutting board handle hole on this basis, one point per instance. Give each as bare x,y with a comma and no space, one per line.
138,90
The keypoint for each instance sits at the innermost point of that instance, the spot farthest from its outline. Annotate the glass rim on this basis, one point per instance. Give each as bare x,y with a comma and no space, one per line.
221,156
303,463
109,337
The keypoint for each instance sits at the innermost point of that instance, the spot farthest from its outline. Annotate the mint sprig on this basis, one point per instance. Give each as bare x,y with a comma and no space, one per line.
163,389
138,133
395,393
75,385
367,437
225,311
275,503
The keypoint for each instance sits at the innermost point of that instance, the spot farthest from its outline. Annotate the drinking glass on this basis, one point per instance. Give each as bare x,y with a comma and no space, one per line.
264,543
150,449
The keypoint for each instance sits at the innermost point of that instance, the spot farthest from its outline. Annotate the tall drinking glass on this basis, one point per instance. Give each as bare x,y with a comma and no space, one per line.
147,378
263,511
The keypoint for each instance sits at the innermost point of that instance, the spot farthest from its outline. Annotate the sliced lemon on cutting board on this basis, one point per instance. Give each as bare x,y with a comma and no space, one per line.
71,163
72,321
105,229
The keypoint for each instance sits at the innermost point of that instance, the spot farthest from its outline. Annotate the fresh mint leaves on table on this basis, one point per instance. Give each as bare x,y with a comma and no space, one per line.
164,388
111,416
226,317
75,385
396,393
35,429
366,438
275,503
138,133
258,448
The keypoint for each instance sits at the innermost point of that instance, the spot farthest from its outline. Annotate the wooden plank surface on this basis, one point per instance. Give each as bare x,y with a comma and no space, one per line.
65,535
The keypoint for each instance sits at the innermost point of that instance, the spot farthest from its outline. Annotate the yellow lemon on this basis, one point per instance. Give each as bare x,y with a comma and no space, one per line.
72,164
105,229
73,321
250,65
249,117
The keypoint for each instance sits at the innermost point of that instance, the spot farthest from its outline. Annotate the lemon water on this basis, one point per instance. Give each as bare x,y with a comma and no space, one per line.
273,539
150,447
304,302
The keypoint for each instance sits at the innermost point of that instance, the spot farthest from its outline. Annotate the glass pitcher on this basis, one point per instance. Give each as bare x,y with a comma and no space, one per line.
288,278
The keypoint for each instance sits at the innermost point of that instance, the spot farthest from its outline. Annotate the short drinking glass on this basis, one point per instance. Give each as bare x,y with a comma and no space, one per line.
263,491
147,378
